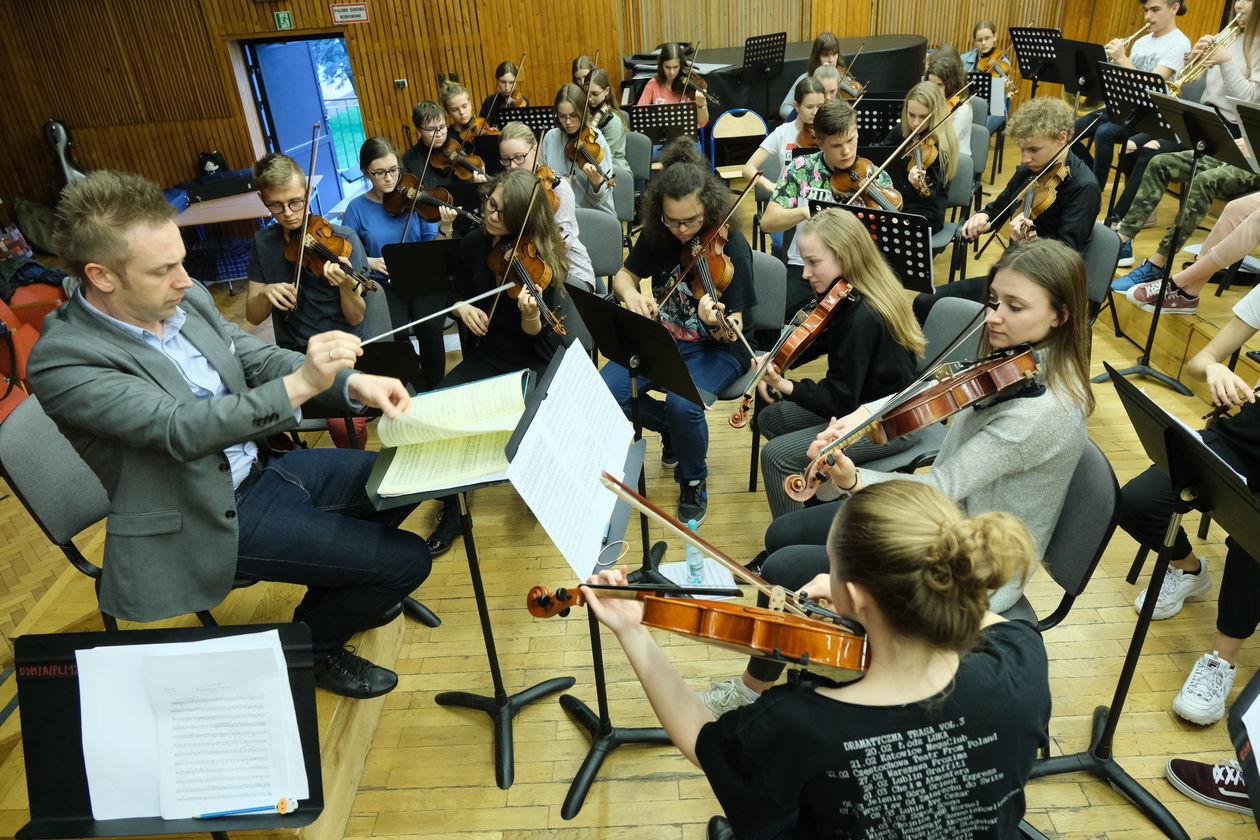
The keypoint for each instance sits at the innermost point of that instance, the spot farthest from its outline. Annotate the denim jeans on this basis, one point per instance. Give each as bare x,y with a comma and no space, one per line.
1107,135
308,520
712,369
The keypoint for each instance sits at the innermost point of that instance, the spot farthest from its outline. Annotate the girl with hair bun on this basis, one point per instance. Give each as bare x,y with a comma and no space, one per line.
936,740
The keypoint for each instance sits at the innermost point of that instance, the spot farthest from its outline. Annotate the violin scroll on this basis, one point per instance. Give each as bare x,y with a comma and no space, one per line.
739,419
541,603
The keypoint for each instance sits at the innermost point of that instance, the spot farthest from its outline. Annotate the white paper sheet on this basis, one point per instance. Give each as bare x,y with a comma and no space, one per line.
714,574
578,433
120,733
1250,264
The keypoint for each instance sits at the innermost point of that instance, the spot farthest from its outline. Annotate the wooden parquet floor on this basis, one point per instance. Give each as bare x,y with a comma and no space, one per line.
429,773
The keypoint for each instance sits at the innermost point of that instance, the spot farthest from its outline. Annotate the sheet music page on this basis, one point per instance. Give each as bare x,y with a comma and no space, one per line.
120,731
220,719
419,467
578,433
488,405
714,574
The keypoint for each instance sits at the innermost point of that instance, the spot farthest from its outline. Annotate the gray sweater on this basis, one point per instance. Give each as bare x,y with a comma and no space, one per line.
552,150
1015,456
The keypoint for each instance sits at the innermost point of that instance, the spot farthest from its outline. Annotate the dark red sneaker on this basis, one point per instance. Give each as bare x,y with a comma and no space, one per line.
1215,785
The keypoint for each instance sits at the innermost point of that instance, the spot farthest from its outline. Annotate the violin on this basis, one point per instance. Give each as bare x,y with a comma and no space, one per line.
549,180
475,129
849,87
806,139
693,84
1038,199
807,325
584,148
451,159
858,182
755,631
318,245
995,65
520,263
923,155
946,398
408,195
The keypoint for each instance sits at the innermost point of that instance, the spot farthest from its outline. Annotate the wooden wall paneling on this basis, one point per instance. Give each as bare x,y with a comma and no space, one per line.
845,19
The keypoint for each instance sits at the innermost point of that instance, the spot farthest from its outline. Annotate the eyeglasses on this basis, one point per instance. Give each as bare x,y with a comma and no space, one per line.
490,208
689,224
432,129
275,208
383,173
514,160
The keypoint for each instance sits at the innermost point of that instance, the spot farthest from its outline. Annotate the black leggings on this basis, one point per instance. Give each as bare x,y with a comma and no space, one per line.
404,310
1146,503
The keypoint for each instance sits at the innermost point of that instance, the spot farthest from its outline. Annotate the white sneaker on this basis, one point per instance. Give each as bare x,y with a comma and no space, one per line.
1202,699
1178,586
727,696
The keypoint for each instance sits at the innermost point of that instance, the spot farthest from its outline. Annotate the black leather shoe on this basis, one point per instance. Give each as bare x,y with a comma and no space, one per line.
381,619
756,564
349,675
444,535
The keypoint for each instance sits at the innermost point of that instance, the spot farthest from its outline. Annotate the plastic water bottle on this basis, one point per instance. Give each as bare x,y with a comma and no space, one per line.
695,560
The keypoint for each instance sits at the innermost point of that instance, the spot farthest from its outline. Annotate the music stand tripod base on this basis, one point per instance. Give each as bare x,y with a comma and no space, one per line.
501,707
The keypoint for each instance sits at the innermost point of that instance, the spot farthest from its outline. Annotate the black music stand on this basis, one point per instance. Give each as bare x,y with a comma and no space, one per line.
1035,53
1076,63
501,707
905,240
56,776
1200,480
1127,94
875,118
982,87
1242,740
1200,129
645,349
763,60
662,123
538,117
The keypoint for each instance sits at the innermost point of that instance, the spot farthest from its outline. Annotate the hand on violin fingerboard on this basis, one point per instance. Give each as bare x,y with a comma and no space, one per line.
617,614
336,276
531,317
774,381
1023,228
592,172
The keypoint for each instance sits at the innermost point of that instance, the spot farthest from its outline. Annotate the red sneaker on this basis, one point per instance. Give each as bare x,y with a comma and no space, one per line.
1175,301
1215,785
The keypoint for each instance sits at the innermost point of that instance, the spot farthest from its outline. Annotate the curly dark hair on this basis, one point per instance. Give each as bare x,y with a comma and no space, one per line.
683,172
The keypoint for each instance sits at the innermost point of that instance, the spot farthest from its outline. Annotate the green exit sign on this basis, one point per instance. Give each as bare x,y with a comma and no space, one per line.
284,20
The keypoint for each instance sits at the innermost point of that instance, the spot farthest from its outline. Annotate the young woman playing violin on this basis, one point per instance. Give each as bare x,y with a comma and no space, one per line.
458,108
948,683
871,342
666,87
579,69
507,332
922,176
682,204
985,57
794,134
518,149
506,94
607,116
561,152
428,158
1014,451
368,216
945,70
825,51
812,177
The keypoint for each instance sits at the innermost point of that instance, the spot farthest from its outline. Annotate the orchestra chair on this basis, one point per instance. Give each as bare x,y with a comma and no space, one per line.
733,136
23,337
1100,267
601,235
958,199
30,303
625,202
979,110
9,398
59,490
979,160
946,320
772,169
639,157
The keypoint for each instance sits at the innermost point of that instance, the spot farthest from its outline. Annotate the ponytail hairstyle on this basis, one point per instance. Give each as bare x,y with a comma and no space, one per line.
450,90
504,69
928,568
824,44
375,148
576,97
983,24
1059,270
540,223
580,64
599,76
683,173
518,131
930,96
865,269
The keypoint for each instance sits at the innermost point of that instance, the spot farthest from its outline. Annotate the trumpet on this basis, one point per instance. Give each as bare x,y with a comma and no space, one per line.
1129,41
1199,65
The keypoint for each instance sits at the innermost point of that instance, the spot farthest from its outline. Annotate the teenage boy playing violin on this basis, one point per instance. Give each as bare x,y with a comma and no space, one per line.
430,122
808,178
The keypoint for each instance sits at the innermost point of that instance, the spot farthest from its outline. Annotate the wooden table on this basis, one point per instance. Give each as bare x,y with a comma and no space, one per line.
232,208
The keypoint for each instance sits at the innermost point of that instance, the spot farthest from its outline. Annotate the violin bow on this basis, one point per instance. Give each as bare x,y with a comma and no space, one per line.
691,65
533,195
428,153
495,101
306,213
848,67
1052,166
894,402
438,314
693,539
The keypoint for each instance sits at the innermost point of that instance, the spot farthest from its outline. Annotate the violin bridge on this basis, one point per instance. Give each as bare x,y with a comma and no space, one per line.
778,599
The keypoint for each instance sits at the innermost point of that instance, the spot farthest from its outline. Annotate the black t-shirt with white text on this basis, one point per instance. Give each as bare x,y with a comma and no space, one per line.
797,764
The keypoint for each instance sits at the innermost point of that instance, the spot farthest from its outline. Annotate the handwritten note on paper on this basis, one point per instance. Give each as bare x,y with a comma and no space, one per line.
218,724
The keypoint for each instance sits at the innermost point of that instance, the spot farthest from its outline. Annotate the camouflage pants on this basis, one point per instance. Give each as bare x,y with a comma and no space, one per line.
1212,180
